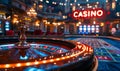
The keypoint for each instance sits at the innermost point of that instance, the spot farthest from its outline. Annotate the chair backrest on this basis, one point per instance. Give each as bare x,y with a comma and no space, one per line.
10,33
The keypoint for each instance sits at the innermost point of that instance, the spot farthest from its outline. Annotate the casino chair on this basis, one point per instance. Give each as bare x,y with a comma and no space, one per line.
48,33
10,33
38,32
59,33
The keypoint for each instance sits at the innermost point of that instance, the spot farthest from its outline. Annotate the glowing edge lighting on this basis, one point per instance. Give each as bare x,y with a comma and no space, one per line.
13,65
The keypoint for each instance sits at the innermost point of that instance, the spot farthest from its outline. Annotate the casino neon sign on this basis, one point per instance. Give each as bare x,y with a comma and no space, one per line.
91,13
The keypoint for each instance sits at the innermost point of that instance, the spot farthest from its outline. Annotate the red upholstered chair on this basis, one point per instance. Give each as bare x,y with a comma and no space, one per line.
10,33
38,32
48,33
59,33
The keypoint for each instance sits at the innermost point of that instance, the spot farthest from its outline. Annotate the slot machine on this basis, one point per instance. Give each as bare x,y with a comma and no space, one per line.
80,29
93,29
1,30
4,26
7,26
89,29
97,29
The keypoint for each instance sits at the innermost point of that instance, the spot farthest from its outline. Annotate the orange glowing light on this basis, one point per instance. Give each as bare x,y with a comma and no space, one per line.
58,59
63,57
68,56
38,62
44,61
7,65
27,64
102,24
18,65
51,60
